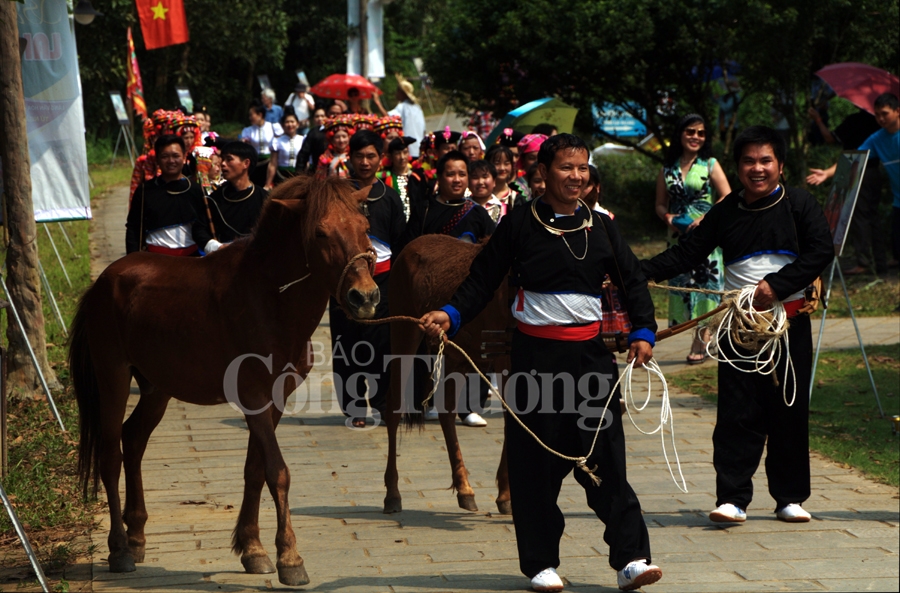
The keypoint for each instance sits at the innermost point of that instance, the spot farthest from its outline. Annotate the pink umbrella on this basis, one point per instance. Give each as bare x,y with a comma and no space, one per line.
859,83
337,86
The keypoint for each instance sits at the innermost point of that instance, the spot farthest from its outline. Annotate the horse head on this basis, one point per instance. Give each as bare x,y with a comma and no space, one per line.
333,238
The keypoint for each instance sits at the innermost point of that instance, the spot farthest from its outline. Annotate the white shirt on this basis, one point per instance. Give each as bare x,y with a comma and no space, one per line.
301,103
413,123
261,137
287,149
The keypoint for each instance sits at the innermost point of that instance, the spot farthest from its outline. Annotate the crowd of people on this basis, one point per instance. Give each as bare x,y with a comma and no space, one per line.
535,201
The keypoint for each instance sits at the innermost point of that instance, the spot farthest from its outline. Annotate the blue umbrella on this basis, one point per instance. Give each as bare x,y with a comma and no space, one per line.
524,118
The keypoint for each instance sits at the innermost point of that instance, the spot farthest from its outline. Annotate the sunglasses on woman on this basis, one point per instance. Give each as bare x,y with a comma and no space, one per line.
689,132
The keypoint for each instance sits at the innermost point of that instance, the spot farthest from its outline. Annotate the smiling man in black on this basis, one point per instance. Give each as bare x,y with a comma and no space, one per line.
558,251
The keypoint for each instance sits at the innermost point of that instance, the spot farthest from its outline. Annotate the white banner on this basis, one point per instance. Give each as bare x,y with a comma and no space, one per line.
54,113
375,38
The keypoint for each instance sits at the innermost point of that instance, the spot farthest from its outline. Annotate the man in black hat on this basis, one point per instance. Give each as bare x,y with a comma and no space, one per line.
304,105
410,183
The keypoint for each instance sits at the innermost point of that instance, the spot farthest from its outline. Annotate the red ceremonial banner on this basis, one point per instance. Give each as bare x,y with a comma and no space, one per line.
162,22
135,88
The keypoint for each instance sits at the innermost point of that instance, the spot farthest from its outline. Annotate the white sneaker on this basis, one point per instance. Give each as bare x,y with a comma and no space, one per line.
474,419
793,513
638,574
547,580
728,513
432,414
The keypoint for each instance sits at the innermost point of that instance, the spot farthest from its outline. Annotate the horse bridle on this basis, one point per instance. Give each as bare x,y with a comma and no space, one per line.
369,256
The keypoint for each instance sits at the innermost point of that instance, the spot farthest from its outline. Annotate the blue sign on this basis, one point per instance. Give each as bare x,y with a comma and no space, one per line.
616,121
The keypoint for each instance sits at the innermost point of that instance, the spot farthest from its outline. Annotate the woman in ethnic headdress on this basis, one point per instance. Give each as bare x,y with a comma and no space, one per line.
510,139
528,146
284,150
390,127
401,175
688,185
472,146
145,167
187,127
334,161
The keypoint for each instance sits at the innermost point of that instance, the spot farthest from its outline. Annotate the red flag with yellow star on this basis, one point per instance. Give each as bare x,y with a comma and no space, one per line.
162,22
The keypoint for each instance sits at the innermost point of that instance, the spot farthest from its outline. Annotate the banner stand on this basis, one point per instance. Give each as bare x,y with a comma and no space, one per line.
125,133
62,265
49,290
23,537
66,236
37,366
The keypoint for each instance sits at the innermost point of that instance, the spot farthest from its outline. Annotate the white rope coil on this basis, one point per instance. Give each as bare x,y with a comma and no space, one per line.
757,331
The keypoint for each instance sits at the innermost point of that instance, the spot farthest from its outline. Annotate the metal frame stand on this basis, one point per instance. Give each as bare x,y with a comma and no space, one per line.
812,382
129,146
56,251
37,366
23,537
66,236
49,290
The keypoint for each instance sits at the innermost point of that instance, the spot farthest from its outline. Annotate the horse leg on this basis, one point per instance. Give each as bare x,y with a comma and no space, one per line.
465,496
504,506
278,478
114,387
392,500
245,539
405,339
136,432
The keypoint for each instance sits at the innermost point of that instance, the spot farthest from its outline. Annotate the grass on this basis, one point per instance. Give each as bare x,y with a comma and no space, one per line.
844,423
42,482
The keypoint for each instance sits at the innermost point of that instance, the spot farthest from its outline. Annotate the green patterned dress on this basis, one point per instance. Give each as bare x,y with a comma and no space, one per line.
691,198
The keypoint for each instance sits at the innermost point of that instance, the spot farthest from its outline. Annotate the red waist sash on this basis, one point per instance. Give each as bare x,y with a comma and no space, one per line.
382,267
179,252
568,333
791,307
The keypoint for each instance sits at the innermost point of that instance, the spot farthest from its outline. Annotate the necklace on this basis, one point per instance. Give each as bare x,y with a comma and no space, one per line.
781,197
249,191
292,153
585,225
175,193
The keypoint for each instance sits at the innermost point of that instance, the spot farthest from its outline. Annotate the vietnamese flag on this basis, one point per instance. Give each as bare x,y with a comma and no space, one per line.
162,22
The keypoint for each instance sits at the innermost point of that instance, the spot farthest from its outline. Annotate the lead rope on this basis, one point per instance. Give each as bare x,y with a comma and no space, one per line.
581,462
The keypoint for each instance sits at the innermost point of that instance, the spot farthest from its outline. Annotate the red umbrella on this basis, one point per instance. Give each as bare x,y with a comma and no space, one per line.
337,86
859,83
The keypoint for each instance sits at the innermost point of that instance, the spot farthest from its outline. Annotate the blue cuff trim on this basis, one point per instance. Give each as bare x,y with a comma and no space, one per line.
642,334
455,319
467,236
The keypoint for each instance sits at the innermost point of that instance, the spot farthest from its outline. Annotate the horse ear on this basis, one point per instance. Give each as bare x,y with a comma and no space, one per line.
361,195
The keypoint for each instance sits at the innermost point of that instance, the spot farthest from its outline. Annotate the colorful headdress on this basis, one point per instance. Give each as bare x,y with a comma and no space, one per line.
509,137
446,137
531,143
364,121
344,122
390,122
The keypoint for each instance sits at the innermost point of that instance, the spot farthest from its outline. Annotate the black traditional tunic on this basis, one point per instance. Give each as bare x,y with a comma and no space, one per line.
560,277
359,350
234,213
784,239
463,219
165,213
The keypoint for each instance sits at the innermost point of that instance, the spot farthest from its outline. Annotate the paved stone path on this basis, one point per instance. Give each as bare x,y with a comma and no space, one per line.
193,482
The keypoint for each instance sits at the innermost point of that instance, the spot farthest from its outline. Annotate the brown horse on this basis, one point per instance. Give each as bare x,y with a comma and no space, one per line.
179,325
423,278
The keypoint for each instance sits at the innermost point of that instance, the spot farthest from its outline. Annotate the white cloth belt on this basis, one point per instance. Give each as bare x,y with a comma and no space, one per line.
542,308
752,269
173,237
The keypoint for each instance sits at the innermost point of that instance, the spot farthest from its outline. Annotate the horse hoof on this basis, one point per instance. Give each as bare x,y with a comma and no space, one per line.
293,576
504,507
121,561
467,502
258,565
137,553
392,505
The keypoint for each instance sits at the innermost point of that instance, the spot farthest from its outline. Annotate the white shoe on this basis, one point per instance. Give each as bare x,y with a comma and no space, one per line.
793,513
728,513
474,419
547,580
638,574
432,414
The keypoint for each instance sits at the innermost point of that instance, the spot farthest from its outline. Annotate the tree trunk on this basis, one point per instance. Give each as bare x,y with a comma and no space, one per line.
22,279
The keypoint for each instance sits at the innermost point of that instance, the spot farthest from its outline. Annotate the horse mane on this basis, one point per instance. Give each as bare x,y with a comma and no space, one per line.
313,196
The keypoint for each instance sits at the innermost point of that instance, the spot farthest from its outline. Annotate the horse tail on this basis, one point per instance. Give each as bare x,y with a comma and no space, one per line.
84,381
422,386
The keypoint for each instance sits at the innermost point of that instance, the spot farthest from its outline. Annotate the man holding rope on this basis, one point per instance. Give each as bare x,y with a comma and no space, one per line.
777,239
557,252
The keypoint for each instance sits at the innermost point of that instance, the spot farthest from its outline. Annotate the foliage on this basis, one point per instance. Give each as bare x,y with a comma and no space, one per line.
844,422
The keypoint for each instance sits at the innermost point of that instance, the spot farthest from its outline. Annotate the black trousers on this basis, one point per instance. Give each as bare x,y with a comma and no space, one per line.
358,357
866,229
536,475
752,409
895,232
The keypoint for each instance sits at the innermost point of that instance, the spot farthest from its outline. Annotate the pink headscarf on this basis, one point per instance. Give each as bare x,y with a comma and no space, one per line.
531,143
470,134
